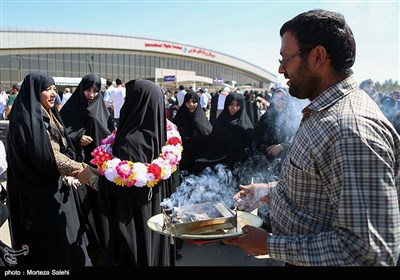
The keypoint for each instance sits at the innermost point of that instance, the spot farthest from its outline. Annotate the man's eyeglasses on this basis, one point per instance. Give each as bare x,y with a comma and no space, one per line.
283,61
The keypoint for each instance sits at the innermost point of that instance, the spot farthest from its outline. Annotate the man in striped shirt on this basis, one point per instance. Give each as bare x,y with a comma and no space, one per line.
337,200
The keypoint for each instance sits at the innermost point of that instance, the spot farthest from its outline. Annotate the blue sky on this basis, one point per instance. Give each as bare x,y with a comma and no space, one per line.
245,29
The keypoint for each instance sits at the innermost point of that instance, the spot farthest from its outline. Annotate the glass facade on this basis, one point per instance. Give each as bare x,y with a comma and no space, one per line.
112,64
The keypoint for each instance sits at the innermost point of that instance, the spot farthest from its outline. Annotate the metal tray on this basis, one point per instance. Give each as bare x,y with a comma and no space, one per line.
156,224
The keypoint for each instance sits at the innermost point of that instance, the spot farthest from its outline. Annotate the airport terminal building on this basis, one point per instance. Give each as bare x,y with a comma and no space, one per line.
71,55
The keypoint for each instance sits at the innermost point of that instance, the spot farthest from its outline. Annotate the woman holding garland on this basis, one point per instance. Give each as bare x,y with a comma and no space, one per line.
43,219
135,181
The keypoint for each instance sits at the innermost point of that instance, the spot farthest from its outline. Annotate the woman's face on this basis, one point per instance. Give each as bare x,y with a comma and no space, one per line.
280,101
191,105
90,94
233,107
48,96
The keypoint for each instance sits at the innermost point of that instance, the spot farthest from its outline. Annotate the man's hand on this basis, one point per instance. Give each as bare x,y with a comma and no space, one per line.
254,241
252,196
275,150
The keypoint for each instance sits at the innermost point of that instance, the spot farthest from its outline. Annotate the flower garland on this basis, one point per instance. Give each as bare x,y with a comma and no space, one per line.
128,173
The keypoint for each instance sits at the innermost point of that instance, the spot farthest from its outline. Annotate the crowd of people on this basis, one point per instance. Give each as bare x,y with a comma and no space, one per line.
335,202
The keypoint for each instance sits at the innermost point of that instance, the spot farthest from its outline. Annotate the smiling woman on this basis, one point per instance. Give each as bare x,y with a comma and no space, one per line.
48,96
43,214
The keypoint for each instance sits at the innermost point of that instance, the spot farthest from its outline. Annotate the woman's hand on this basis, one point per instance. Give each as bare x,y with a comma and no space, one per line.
95,171
85,140
84,175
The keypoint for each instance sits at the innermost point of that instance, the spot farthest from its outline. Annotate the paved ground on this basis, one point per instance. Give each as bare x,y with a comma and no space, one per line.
219,254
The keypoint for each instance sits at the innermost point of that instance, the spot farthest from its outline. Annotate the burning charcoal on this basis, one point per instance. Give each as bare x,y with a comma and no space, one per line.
175,220
187,219
193,217
198,218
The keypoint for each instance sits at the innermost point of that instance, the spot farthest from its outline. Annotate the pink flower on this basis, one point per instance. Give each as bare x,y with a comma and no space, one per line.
124,169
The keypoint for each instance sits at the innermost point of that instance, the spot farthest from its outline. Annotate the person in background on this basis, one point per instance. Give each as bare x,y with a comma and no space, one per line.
106,96
117,98
390,106
3,103
395,117
368,87
181,95
66,95
207,96
217,104
43,213
86,117
57,102
203,99
232,136
251,107
10,102
140,137
172,104
194,128
88,121
336,202
276,128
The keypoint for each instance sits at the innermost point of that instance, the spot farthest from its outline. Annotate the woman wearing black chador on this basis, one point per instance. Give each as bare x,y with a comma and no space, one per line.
43,213
194,128
232,137
141,135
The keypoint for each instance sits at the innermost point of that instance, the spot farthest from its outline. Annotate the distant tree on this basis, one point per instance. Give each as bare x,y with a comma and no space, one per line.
387,86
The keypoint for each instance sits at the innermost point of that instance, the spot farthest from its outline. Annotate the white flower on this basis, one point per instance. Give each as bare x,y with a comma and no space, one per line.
140,171
111,172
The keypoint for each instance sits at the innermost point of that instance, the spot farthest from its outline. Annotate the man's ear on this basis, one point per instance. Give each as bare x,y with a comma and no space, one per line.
320,54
